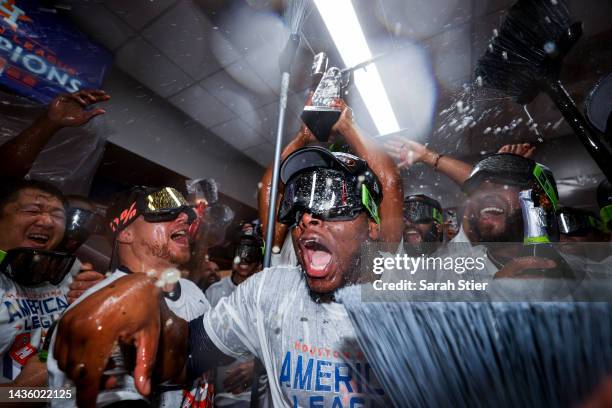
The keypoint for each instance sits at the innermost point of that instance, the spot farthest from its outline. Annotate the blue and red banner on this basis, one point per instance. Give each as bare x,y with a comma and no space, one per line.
43,55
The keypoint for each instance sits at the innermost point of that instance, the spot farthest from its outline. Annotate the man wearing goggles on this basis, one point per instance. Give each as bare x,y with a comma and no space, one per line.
423,222
150,230
35,280
286,315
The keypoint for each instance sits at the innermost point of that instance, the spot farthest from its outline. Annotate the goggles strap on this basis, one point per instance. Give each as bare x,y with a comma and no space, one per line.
369,203
546,184
606,215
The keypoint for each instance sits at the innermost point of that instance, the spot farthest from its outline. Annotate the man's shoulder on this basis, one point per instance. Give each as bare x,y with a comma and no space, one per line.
284,271
279,277
104,282
188,285
221,285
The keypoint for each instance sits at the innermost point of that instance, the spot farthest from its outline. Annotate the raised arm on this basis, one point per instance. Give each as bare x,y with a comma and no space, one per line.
301,139
385,169
408,152
18,154
168,349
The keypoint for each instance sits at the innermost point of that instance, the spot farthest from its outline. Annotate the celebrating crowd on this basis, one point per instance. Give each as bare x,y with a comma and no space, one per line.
160,327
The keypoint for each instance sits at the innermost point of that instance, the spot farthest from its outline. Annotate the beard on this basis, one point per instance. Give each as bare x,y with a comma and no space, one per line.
163,251
513,231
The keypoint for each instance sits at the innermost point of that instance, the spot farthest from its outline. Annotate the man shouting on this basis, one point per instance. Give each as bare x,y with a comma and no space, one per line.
286,316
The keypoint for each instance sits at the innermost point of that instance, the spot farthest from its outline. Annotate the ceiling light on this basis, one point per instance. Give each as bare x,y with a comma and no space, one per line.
341,21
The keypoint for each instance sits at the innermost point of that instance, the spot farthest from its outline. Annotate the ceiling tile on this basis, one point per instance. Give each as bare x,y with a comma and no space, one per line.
243,73
190,39
137,13
232,94
262,154
237,133
265,122
201,106
146,64
102,25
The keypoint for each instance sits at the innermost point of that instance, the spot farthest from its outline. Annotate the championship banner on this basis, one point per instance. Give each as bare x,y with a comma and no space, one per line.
43,55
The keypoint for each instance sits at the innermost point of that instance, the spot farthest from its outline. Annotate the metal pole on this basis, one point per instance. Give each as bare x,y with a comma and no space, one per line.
276,168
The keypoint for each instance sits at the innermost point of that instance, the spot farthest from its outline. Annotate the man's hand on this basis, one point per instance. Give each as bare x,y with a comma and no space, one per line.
33,374
516,267
345,121
406,152
126,311
523,149
85,279
239,378
71,109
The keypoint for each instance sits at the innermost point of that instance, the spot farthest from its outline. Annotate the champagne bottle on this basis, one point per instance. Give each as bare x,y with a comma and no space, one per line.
537,239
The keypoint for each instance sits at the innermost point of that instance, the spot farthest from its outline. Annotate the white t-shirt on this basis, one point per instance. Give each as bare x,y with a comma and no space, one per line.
188,306
26,313
223,398
309,348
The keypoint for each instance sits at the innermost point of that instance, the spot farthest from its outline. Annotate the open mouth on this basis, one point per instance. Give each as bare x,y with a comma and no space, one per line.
490,211
317,258
412,236
39,239
180,236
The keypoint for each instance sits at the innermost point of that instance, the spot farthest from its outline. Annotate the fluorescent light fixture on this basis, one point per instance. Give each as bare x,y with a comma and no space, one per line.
343,26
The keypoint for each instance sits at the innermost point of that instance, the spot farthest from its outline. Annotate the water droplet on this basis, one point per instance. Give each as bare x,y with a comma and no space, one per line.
479,81
236,260
487,130
495,32
550,47
505,55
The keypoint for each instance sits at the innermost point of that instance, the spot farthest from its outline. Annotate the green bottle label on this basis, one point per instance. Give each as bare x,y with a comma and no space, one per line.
546,184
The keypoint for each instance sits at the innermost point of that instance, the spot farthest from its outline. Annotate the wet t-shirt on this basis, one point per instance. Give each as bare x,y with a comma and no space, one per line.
190,304
308,347
26,313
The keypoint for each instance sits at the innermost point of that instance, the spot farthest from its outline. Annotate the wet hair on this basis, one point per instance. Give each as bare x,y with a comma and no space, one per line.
9,191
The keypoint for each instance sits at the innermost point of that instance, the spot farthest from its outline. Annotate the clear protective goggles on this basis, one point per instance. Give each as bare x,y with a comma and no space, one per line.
330,195
418,212
249,252
80,224
31,267
577,224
